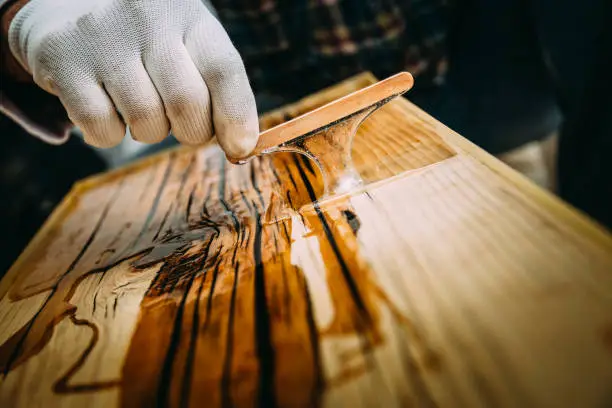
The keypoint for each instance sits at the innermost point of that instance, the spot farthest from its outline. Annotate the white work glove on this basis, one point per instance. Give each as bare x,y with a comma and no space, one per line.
161,63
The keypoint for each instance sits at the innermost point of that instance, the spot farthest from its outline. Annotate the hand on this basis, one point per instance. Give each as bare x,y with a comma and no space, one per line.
160,63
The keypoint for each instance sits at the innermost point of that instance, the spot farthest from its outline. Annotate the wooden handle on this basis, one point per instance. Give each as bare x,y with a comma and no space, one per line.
333,111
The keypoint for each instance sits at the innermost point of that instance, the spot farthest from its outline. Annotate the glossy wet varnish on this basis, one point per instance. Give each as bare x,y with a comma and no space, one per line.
187,281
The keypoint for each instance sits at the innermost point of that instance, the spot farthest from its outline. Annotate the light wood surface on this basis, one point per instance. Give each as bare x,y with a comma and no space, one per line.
449,280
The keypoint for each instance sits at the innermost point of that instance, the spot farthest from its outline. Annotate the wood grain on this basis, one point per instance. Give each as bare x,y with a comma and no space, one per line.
184,280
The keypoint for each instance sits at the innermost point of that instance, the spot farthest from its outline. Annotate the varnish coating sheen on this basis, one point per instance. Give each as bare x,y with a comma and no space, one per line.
187,281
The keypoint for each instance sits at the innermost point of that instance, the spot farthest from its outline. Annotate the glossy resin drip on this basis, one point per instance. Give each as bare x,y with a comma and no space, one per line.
326,134
330,148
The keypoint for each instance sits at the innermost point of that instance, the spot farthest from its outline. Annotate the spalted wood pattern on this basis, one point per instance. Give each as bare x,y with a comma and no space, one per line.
184,280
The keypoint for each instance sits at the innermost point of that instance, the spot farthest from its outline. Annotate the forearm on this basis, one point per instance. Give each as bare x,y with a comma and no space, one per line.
38,112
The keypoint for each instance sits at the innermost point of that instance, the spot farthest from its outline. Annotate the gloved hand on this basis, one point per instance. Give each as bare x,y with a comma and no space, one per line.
160,63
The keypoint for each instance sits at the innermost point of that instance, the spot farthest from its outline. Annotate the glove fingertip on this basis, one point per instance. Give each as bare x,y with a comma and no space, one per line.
237,141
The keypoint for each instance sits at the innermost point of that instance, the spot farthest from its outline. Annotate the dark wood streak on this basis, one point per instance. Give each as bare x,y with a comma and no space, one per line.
166,372
115,306
189,204
153,208
265,351
179,192
195,327
163,222
226,398
343,265
95,300
308,163
222,200
61,386
209,300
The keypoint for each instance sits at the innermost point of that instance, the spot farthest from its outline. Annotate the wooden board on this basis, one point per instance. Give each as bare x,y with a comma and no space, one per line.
184,280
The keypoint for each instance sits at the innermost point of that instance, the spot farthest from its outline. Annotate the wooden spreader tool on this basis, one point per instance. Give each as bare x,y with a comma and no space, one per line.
326,134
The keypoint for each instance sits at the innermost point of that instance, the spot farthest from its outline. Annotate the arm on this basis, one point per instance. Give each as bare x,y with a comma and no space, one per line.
38,112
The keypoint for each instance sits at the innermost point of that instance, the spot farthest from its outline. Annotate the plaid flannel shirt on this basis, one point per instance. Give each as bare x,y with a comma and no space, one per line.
294,47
